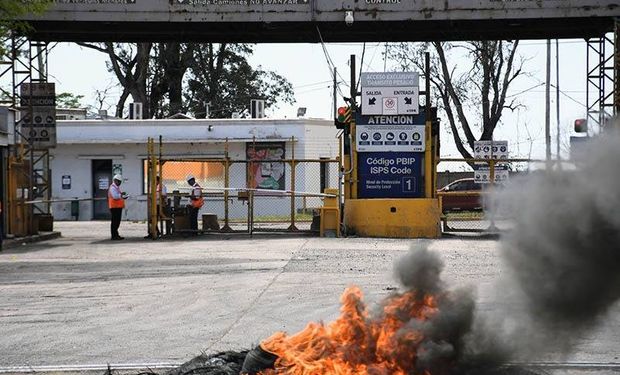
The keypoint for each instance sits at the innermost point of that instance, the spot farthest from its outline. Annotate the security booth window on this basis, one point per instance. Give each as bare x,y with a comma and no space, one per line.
174,174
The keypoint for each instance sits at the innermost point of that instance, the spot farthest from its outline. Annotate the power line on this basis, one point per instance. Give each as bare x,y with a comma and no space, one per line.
313,90
359,77
540,83
329,60
524,91
312,84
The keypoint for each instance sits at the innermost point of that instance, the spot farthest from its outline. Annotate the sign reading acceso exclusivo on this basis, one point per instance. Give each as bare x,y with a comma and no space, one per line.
394,93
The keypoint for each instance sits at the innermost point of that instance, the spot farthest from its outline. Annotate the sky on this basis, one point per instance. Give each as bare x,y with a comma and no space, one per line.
83,71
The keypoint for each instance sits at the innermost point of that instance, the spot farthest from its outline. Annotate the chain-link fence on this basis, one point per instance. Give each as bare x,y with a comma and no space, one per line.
470,203
267,191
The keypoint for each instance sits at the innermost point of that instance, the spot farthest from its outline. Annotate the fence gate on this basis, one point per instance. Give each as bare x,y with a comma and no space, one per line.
261,194
472,205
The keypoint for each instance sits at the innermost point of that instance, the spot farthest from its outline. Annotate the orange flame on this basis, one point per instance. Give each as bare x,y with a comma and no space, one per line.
355,344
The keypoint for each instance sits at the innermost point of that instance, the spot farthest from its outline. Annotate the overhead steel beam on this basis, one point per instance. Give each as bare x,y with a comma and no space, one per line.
298,20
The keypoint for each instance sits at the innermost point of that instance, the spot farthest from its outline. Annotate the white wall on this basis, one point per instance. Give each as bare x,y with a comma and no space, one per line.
75,159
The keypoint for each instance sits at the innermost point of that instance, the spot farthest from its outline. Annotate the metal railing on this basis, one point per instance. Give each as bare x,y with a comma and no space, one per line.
286,199
472,210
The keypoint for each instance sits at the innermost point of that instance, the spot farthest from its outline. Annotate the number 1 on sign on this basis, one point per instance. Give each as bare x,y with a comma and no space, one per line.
408,185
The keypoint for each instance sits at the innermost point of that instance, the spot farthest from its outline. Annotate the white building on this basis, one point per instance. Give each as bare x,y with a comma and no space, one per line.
89,152
71,114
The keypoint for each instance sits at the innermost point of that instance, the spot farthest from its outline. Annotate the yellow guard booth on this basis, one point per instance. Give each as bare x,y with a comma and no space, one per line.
390,148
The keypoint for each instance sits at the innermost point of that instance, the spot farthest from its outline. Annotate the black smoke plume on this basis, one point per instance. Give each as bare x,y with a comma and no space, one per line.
562,257
564,250
452,341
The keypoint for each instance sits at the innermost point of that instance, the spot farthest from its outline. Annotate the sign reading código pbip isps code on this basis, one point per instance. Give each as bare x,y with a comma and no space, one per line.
393,93
389,174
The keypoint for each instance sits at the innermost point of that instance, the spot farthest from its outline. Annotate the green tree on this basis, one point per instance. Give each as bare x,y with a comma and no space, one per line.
130,63
69,100
169,78
221,75
11,12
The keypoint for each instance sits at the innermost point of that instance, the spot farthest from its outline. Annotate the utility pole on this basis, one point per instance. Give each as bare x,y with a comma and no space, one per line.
548,104
385,58
557,98
335,93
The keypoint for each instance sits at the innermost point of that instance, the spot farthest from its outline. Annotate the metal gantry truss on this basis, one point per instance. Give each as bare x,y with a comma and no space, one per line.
602,65
24,61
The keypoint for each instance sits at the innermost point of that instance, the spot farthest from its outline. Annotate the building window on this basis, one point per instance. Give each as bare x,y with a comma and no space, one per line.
174,174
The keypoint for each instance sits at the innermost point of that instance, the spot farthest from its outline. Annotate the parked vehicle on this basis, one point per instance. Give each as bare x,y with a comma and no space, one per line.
471,200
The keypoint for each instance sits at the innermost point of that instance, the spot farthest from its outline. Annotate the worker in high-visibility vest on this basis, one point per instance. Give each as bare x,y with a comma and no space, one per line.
196,202
116,203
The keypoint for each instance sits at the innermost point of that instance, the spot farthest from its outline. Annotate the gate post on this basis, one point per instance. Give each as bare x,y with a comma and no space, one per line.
226,227
293,164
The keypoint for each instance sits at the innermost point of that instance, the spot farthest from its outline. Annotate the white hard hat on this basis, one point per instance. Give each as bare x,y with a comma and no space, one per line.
189,177
118,177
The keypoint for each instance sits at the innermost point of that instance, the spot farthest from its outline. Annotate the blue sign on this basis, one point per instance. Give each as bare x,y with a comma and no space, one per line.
390,174
418,119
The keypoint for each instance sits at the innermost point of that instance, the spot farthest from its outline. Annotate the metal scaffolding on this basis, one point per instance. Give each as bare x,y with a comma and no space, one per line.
600,87
24,61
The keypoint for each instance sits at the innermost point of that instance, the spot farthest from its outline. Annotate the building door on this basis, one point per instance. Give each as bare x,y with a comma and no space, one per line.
102,178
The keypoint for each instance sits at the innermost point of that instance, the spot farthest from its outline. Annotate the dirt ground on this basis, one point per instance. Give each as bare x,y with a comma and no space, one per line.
82,299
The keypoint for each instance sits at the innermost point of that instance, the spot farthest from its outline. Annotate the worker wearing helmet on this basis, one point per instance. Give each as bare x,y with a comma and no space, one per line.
116,203
196,202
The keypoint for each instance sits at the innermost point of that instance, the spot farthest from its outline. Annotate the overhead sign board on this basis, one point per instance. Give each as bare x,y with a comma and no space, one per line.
368,10
234,3
390,175
247,21
393,93
38,114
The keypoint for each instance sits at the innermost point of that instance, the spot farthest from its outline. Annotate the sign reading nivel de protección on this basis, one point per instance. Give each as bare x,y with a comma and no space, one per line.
393,93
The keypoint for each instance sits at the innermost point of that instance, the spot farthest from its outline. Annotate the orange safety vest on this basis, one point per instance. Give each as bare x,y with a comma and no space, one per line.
115,203
199,200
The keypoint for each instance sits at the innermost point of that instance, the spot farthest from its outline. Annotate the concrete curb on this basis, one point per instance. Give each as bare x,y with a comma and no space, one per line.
16,242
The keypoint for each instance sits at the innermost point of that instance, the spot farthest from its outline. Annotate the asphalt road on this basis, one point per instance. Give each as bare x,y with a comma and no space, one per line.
82,299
